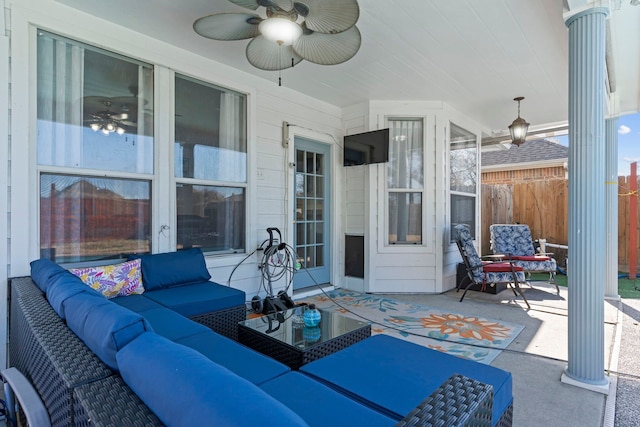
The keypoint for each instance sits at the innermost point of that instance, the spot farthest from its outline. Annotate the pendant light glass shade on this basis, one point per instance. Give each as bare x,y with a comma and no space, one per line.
518,129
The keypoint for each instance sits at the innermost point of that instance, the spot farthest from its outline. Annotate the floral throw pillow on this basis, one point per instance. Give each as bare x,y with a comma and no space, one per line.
113,280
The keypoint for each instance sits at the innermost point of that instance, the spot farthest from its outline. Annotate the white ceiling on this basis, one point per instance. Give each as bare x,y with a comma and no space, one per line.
475,55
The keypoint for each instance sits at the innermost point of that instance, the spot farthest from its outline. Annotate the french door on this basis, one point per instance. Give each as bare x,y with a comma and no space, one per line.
312,208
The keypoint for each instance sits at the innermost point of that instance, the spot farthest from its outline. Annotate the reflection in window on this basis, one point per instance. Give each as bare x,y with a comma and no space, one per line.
463,177
84,219
94,112
405,172
212,218
95,108
210,166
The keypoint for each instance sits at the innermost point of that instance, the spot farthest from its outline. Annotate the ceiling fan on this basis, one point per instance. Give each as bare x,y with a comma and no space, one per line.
106,120
320,31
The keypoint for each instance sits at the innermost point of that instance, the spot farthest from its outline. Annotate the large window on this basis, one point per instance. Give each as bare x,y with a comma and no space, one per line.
463,177
210,166
96,165
405,181
94,151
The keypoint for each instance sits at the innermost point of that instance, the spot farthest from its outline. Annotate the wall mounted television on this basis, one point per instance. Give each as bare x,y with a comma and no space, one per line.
367,147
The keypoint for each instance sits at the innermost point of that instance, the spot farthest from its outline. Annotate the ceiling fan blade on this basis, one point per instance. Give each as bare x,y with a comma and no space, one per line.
228,26
128,123
254,4
328,49
328,16
249,4
269,56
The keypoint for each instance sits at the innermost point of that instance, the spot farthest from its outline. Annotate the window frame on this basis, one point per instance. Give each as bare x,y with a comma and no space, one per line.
163,224
423,190
456,193
175,180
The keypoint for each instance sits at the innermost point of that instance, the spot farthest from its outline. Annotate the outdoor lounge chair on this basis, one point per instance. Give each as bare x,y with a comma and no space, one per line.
515,243
486,272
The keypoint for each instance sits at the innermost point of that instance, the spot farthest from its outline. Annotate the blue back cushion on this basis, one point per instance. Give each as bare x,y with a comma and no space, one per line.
64,285
104,327
136,303
42,270
249,364
173,268
172,325
184,388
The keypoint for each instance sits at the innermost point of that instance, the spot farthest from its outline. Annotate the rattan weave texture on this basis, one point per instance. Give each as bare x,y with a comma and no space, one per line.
224,322
460,401
111,403
48,353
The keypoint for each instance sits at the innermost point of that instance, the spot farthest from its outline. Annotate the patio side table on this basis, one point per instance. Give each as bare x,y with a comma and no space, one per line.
282,337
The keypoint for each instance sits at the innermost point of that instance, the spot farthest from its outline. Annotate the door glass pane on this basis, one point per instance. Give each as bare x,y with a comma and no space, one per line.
85,219
299,184
320,209
210,137
94,108
405,218
311,185
210,217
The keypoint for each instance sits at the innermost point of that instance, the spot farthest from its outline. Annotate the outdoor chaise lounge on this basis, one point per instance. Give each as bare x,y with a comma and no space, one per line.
514,241
485,273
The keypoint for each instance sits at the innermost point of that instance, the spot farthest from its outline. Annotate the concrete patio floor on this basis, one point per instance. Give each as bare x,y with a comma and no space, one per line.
538,356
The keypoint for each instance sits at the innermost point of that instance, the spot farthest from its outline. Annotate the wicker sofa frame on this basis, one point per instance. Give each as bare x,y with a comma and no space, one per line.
78,389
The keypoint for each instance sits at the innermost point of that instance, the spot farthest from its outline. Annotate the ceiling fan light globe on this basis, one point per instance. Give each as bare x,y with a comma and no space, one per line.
280,30
105,131
120,131
95,127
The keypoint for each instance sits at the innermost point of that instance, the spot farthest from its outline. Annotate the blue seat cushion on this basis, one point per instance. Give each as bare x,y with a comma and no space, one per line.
64,285
137,303
394,375
173,268
184,388
172,325
103,326
321,406
42,270
199,298
247,363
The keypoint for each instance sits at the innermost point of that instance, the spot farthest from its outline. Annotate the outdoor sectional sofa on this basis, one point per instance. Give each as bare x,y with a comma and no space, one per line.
138,360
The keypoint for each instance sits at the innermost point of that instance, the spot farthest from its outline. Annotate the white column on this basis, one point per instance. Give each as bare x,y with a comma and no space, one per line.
587,39
611,203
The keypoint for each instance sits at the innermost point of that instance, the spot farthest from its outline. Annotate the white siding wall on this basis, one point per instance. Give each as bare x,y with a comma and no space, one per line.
5,165
268,106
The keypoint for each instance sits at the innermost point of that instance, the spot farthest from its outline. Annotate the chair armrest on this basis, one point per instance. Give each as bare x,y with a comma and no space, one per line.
16,385
460,401
494,257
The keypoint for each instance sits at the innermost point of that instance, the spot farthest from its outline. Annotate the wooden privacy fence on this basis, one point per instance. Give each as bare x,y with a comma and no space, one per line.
544,206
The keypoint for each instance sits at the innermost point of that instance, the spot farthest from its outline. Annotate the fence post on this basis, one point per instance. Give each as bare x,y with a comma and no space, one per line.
633,219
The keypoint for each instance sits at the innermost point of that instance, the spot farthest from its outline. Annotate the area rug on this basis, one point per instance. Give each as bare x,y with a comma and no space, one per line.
470,337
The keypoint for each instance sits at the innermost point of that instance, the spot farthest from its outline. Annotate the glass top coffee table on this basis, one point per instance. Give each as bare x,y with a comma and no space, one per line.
283,337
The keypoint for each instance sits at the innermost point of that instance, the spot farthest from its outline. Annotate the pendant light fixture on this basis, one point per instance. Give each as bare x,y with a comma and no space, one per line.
518,129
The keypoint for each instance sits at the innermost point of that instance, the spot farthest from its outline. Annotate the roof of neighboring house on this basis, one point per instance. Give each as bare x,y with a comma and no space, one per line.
538,150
